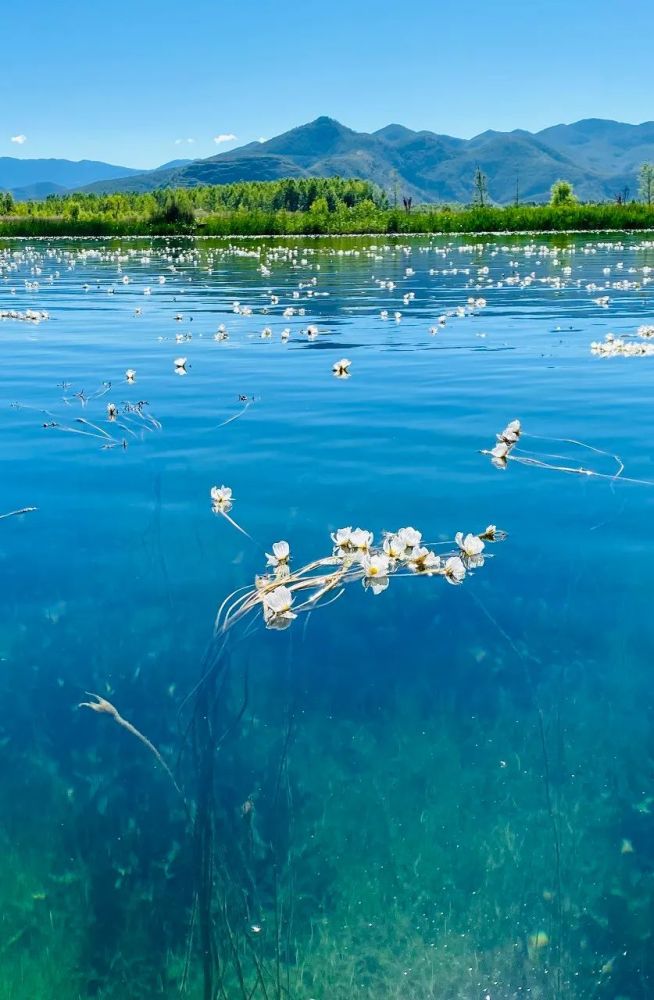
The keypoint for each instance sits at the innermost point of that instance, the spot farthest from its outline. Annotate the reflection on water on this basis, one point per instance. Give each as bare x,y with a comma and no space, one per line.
434,791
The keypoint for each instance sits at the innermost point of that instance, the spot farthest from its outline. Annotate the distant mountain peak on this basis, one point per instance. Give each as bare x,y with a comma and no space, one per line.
394,132
598,156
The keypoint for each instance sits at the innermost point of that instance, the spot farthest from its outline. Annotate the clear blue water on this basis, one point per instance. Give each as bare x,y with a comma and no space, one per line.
433,792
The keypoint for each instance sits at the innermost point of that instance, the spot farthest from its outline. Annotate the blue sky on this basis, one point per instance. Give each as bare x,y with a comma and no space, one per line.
131,82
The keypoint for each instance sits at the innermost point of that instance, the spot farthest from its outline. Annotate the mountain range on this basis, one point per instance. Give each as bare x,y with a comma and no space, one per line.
37,178
600,157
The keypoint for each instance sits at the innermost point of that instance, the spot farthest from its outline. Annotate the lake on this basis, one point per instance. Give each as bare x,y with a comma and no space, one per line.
435,788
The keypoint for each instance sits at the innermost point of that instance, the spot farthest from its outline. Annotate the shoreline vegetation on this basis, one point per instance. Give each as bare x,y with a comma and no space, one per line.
297,207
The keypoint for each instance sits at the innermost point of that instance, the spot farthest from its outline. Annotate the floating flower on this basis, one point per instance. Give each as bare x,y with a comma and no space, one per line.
376,569
112,411
492,534
470,545
376,565
130,375
281,552
454,571
277,607
180,366
499,454
342,538
394,547
221,498
511,433
361,540
423,560
410,537
341,368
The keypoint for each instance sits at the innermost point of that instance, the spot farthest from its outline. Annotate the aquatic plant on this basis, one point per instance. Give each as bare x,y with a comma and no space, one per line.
354,557
101,705
17,513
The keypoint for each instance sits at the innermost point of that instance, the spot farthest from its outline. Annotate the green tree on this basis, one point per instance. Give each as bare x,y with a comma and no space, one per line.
562,193
320,206
481,187
646,182
6,203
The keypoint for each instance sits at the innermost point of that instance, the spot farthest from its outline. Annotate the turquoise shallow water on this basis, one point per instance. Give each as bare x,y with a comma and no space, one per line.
438,791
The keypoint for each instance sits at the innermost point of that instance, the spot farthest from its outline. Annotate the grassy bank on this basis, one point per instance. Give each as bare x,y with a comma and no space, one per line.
181,213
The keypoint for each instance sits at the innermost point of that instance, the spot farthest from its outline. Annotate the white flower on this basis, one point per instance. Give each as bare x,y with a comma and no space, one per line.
266,333
221,498
340,368
410,537
470,545
342,538
221,494
499,455
130,375
180,366
394,547
511,432
423,560
361,539
281,552
375,569
277,607
112,411
454,570
376,565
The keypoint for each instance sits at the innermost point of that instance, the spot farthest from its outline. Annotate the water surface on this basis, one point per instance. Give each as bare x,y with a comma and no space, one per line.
434,792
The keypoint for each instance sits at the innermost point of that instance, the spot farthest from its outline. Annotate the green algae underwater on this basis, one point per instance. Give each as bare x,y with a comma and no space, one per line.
419,790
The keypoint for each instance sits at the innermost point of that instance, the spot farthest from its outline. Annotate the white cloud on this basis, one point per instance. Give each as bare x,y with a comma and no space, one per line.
20,139
180,142
224,137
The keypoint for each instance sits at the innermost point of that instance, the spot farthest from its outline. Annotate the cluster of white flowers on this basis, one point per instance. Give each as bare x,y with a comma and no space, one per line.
613,346
354,557
29,316
506,441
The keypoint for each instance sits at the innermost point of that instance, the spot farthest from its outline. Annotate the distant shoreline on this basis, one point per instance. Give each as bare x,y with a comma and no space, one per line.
377,222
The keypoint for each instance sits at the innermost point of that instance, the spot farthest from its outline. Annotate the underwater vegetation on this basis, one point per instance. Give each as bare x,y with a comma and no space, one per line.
306,768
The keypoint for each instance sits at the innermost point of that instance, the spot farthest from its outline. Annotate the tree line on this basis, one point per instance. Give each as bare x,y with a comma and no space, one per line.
183,205
562,191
